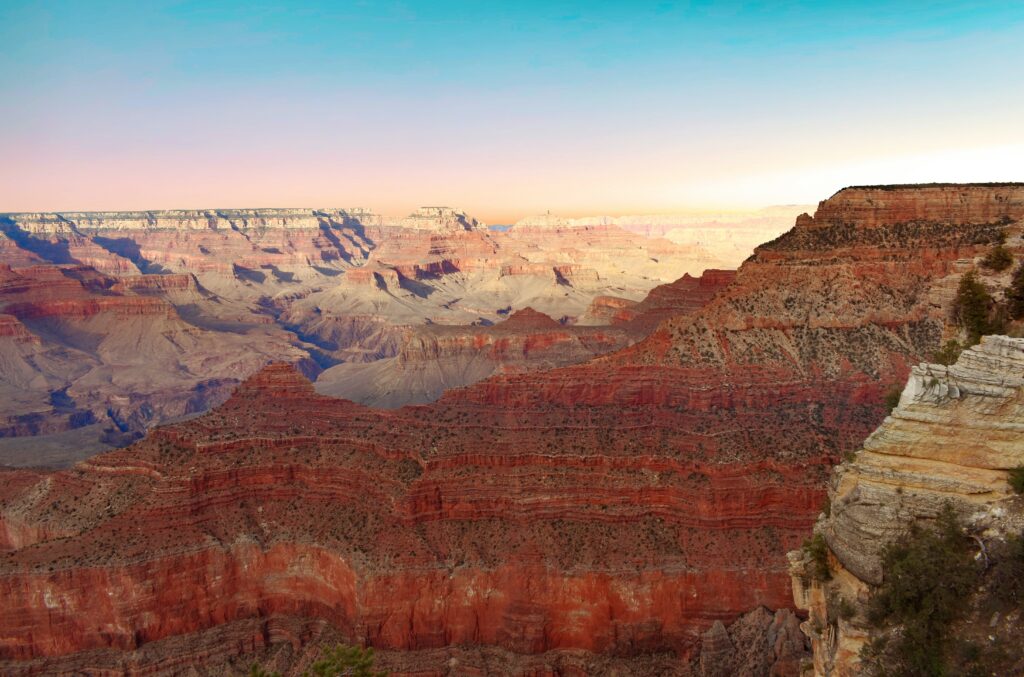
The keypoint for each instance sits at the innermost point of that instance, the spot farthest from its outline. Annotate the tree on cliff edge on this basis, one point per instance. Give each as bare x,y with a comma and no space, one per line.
1015,294
973,307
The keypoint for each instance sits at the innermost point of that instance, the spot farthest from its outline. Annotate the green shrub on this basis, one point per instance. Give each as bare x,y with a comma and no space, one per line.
972,307
341,660
817,550
927,574
1015,294
1006,581
346,660
949,353
1016,479
998,258
892,398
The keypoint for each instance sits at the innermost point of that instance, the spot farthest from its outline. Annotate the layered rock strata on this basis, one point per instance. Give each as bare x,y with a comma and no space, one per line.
331,286
434,359
609,511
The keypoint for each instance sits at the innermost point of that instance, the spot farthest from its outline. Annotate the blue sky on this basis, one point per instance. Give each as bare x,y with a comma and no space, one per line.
502,108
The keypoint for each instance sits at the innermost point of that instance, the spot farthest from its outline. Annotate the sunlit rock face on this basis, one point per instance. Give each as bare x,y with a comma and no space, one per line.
605,515
954,435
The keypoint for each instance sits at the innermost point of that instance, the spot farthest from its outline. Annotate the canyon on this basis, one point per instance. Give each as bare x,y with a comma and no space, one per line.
629,514
118,321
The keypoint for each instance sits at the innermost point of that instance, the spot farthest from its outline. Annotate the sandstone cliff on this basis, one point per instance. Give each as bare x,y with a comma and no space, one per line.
955,434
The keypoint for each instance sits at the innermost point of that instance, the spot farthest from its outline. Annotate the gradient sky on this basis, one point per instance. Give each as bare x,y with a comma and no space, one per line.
504,109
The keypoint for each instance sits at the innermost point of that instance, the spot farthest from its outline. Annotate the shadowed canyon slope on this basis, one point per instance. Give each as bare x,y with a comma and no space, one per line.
629,513
117,320
436,358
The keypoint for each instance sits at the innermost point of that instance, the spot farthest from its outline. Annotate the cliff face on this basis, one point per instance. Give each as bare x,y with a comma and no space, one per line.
942,204
727,238
629,513
682,297
955,434
285,504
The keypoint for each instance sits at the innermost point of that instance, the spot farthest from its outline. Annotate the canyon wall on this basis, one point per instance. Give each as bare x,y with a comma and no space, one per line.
630,513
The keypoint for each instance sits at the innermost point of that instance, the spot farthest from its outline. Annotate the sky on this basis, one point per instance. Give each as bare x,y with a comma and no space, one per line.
502,109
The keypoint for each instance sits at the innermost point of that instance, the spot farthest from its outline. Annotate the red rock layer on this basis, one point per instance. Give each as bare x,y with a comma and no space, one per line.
618,507
70,292
527,339
11,327
942,204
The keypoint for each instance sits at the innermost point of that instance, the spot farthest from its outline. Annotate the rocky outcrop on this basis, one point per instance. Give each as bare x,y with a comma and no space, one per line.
584,570
434,359
955,434
938,204
758,643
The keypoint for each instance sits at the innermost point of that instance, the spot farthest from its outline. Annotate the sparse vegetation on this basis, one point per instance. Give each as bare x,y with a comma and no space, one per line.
1015,294
1006,583
998,258
339,661
928,574
949,353
1016,479
846,609
892,398
817,550
974,309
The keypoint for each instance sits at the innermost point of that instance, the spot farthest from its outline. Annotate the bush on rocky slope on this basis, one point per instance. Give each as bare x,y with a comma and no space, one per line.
1015,294
998,259
351,661
929,571
974,309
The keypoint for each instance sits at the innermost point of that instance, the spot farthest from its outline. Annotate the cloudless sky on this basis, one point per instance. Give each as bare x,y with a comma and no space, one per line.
504,109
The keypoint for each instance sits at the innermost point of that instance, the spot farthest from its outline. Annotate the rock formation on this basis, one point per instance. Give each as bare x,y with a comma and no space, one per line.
954,435
598,517
682,297
102,357
436,358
